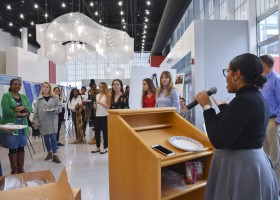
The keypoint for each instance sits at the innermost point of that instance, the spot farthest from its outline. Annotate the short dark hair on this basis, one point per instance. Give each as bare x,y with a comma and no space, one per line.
267,59
250,67
183,99
84,88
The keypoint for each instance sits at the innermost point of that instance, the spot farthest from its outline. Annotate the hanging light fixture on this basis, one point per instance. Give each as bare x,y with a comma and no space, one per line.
83,36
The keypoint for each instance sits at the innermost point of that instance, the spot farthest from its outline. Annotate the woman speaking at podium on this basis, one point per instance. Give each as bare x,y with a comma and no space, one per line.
240,170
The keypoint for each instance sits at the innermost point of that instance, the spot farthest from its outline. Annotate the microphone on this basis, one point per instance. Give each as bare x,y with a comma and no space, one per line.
212,90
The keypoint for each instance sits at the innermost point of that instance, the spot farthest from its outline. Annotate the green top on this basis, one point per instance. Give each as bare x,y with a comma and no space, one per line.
9,104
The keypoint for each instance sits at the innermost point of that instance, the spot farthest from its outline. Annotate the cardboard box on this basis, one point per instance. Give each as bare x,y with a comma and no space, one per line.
55,190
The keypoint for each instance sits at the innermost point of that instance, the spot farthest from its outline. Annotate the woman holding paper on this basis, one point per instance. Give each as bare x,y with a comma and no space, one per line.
46,113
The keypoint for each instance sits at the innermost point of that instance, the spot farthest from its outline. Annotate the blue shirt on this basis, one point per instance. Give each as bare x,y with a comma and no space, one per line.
172,100
271,93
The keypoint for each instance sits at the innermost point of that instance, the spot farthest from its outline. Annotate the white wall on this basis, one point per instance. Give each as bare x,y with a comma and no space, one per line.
61,73
27,65
212,43
137,76
2,62
7,40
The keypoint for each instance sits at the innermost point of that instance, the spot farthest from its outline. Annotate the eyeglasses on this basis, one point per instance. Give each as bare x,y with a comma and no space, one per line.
225,72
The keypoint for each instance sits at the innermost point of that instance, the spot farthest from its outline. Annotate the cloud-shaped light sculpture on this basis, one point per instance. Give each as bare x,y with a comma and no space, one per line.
74,34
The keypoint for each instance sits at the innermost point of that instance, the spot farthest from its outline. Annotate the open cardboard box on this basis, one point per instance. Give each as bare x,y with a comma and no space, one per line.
54,190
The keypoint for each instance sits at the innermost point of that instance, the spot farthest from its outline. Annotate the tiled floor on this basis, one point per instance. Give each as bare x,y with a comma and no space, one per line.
85,170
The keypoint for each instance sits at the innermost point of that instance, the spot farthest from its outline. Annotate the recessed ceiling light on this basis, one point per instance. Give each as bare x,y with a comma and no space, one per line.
145,26
146,20
21,16
120,3
123,20
10,24
143,40
144,36
147,12
91,4
148,3
32,23
124,26
35,5
100,21
121,12
96,13
29,35
144,32
46,15
63,5
9,7
20,30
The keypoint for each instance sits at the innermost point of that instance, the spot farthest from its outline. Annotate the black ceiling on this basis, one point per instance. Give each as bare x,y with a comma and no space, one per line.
134,15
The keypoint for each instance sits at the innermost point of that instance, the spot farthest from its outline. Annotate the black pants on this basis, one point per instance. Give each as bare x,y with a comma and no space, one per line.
60,120
101,125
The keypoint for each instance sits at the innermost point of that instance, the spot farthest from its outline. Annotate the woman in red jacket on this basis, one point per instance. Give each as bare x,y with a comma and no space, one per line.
148,94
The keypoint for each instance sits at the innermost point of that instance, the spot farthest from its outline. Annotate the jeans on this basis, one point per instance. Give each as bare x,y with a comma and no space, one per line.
50,142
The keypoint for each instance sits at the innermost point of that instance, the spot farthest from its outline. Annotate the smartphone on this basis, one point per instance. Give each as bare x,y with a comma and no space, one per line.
162,150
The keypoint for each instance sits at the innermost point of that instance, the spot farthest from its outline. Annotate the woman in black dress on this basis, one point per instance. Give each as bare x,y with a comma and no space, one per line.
119,100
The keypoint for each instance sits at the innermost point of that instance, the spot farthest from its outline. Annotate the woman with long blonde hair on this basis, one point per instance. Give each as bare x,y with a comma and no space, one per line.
46,112
167,94
101,105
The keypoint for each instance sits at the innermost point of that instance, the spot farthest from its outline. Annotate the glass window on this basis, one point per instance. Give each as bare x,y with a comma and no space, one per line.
211,9
88,67
265,5
240,8
273,50
268,27
223,9
201,9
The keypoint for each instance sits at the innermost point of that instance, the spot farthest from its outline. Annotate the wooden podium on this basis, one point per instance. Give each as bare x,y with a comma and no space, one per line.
135,168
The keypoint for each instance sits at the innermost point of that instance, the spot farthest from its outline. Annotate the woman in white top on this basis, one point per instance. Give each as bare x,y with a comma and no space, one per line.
102,105
79,114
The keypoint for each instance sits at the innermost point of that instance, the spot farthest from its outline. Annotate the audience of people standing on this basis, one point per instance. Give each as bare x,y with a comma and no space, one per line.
47,109
15,109
167,94
148,93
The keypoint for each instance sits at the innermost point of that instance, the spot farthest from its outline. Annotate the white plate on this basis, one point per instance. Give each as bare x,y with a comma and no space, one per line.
13,126
49,110
185,143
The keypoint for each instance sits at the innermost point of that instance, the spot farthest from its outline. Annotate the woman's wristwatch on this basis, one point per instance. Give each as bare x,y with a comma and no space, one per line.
206,107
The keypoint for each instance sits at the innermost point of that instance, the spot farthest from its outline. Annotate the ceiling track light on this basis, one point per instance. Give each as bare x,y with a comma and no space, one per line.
36,5
91,4
9,7
148,3
10,24
120,3
63,5
121,12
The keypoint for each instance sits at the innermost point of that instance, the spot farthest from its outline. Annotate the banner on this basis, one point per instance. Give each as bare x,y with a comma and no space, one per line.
179,83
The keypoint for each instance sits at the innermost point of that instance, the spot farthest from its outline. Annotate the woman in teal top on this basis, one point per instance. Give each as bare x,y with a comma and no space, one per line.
15,108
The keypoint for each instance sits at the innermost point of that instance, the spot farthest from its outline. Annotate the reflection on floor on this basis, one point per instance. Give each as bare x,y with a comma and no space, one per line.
85,170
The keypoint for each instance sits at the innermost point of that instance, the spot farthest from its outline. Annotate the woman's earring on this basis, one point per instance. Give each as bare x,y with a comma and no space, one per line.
234,80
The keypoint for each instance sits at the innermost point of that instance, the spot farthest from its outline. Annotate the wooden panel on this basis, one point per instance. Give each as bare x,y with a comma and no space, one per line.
135,168
134,172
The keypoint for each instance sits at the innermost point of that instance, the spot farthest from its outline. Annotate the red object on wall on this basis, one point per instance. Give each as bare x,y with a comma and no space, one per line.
155,61
52,72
